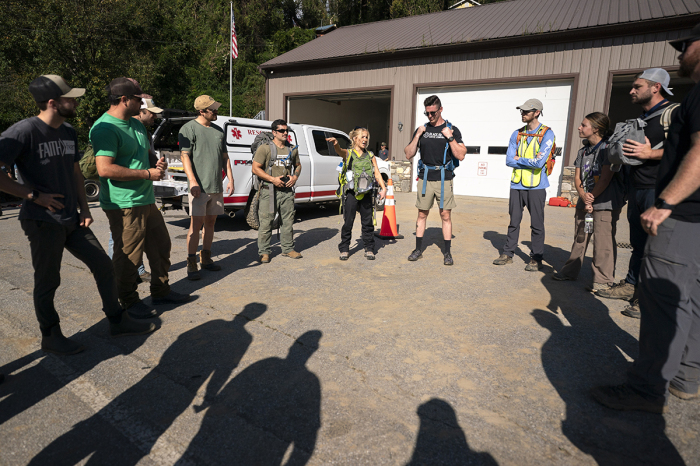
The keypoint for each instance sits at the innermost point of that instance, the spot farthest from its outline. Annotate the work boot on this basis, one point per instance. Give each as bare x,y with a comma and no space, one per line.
597,287
622,290
265,258
678,393
207,263
171,298
415,255
369,255
344,256
534,265
448,259
632,310
139,310
56,343
192,270
622,397
503,259
145,277
292,255
128,326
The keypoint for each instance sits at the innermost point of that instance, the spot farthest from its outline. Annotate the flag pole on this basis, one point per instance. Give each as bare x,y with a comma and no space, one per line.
230,66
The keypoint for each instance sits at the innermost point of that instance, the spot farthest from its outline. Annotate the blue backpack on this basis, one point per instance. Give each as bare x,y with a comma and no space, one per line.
446,165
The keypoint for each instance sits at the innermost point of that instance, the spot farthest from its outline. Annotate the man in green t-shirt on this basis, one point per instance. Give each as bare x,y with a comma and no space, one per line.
126,196
204,156
276,191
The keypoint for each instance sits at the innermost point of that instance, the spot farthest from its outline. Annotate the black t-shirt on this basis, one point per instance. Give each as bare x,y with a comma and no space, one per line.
432,149
45,157
644,175
685,122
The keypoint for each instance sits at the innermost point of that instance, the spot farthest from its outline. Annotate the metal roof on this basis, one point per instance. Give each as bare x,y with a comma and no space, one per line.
510,19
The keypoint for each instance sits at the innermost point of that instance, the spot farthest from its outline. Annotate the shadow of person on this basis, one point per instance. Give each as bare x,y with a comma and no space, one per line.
125,430
441,440
498,241
268,412
310,238
573,358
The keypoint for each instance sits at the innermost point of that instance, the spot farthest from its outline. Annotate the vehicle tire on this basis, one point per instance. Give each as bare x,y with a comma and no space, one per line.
92,190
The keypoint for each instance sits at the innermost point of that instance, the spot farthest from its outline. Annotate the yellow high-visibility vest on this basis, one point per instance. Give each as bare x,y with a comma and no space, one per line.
529,177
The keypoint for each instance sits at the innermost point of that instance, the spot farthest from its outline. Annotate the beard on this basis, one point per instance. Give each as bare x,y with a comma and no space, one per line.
689,63
641,99
66,112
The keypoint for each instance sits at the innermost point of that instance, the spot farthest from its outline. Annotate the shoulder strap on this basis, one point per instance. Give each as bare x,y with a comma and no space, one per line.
273,156
656,113
667,114
522,131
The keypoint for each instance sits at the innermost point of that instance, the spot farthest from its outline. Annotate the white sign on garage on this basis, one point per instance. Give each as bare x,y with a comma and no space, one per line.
486,116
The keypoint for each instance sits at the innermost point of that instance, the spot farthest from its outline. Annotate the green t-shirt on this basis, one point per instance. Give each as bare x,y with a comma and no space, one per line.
126,141
205,145
282,166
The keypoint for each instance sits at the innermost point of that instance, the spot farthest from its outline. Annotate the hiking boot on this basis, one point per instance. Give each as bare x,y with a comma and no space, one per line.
632,310
144,278
128,326
207,263
448,259
533,266
56,343
415,255
369,255
344,256
192,270
139,310
265,258
503,259
561,277
292,255
172,297
595,287
678,393
622,397
622,290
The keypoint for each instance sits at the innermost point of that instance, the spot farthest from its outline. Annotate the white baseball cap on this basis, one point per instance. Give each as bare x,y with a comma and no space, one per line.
658,75
149,105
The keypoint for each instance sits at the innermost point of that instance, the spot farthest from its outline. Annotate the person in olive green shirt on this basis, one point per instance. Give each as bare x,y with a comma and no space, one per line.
204,155
126,196
277,185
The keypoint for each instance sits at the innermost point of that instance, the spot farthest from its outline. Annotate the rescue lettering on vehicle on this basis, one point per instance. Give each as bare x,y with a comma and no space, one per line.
244,136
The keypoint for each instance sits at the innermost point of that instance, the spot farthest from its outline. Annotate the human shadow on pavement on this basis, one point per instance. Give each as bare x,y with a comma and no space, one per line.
126,429
22,390
271,407
441,441
498,240
310,238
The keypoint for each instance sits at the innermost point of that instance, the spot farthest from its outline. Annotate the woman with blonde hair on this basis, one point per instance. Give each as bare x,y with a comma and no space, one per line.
601,198
360,172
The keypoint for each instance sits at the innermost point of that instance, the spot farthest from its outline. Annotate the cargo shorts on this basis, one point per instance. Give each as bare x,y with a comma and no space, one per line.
432,194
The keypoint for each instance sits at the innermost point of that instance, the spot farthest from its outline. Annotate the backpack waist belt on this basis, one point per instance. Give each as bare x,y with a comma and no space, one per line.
442,168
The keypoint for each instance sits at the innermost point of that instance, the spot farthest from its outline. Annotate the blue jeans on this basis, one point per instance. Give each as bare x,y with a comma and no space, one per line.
639,201
110,253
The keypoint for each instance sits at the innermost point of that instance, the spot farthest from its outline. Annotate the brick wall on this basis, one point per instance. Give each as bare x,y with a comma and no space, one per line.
568,189
401,173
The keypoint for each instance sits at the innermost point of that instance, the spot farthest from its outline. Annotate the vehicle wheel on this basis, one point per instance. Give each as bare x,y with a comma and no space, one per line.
92,190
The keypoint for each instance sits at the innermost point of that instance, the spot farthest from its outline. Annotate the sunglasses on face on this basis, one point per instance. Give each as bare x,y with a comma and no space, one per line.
525,112
285,130
213,111
429,114
684,45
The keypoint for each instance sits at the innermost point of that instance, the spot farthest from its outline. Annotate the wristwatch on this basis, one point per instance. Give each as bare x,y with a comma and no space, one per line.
451,138
661,204
34,195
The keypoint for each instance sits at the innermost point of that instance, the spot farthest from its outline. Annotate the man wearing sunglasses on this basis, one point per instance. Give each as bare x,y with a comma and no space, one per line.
438,141
204,157
669,289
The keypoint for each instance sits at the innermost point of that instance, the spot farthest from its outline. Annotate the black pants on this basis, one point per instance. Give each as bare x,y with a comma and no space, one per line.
47,241
639,201
534,200
350,206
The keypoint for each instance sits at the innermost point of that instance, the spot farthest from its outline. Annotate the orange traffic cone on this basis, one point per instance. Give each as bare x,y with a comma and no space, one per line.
390,230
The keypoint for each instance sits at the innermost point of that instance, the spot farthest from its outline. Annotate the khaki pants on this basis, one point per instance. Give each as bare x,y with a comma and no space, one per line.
604,246
284,204
136,231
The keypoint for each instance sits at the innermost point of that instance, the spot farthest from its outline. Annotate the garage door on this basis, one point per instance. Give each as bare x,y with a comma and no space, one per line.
486,117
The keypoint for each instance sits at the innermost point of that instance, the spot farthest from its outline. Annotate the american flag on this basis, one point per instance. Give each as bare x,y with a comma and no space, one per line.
234,40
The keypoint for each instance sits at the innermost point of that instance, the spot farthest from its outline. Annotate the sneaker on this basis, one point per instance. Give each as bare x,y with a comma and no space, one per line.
265,258
622,397
192,270
344,256
292,255
503,259
171,298
534,265
622,290
448,259
207,263
139,310
415,255
369,255
56,343
128,326
597,287
632,310
561,277
681,394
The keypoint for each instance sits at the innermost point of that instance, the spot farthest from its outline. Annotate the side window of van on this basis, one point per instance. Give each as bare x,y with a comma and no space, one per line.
323,147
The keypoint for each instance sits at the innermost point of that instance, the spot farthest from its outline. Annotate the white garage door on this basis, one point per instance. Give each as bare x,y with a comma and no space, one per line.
486,117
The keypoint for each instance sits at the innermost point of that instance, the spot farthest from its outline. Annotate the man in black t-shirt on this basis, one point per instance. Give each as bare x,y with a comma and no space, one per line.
669,287
439,142
647,91
45,149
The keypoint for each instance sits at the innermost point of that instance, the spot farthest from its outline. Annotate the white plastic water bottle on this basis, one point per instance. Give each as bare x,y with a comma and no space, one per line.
588,225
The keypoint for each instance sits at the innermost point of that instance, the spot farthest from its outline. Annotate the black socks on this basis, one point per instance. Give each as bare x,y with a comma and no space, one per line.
448,244
419,243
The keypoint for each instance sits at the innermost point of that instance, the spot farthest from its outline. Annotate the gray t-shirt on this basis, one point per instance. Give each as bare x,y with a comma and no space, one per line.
206,144
46,159
591,161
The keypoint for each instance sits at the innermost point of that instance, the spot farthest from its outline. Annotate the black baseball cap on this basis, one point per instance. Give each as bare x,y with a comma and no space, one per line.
127,87
694,35
51,86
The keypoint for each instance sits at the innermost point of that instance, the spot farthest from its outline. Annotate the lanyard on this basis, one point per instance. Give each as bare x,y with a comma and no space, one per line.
653,109
587,174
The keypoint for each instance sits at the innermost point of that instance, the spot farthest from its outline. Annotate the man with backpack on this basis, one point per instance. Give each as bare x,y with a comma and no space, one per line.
204,157
441,149
647,92
529,150
277,166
